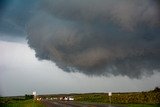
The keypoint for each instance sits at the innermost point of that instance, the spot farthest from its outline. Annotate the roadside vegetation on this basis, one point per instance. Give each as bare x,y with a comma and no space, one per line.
19,102
26,103
142,105
136,99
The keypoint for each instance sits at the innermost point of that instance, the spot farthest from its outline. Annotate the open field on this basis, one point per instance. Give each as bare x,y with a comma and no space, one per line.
130,99
150,97
120,105
56,103
20,103
142,105
121,98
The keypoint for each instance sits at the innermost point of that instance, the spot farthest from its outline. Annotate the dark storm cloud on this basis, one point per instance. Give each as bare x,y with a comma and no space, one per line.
98,37
126,13
14,14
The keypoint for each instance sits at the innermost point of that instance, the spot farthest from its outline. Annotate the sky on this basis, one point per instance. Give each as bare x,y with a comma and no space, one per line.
79,46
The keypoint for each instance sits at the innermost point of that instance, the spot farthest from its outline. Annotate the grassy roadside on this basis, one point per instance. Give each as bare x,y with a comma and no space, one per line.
142,105
137,105
25,103
123,105
121,98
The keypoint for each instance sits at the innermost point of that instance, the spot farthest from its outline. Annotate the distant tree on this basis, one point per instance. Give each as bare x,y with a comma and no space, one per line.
157,89
27,97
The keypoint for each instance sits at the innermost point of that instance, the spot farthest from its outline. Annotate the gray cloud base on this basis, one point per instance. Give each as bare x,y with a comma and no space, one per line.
98,37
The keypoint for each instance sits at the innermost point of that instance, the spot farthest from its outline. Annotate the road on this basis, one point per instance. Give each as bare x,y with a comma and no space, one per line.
49,103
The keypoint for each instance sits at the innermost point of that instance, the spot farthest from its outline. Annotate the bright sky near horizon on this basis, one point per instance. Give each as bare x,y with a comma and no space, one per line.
79,46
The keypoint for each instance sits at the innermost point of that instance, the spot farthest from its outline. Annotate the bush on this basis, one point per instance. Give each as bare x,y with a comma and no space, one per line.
27,97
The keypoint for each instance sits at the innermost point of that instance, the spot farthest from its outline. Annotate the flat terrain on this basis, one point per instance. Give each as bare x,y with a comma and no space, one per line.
21,103
49,103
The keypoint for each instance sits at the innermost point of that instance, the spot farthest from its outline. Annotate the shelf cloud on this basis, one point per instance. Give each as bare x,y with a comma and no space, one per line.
98,37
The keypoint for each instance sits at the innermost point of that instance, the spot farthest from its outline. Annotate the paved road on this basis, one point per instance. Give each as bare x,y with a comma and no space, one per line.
49,103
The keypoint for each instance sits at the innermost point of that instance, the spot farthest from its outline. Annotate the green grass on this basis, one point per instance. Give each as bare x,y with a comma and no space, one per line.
142,105
26,103
121,98
124,105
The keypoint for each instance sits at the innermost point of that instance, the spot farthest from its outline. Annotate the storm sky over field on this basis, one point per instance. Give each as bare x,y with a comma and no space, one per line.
65,46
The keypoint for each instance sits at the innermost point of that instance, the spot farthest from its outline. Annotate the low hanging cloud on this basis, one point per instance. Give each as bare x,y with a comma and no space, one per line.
98,37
